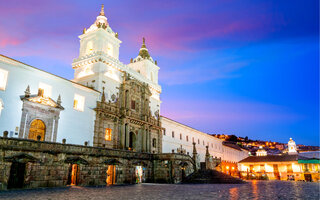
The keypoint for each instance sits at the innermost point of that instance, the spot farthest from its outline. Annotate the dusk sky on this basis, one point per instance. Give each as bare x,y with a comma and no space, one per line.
249,68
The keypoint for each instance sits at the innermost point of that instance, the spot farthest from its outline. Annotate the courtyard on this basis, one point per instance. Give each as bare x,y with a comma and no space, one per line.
251,190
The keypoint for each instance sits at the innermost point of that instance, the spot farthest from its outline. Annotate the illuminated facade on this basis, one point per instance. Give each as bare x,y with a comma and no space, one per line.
290,166
108,104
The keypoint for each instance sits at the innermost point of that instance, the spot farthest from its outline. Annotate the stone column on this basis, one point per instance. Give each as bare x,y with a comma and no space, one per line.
55,131
159,141
122,135
194,156
115,136
22,130
149,140
127,136
143,143
146,141
49,128
140,139
27,126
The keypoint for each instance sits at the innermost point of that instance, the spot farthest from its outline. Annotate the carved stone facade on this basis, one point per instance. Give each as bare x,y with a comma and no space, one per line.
129,119
40,117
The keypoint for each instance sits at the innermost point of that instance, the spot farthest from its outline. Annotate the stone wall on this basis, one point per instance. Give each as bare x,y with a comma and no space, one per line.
48,164
169,167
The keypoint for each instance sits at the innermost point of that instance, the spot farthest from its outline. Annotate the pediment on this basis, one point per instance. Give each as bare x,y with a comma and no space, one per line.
47,101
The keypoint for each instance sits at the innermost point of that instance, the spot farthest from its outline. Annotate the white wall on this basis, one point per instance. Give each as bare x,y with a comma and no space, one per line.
169,143
76,126
216,148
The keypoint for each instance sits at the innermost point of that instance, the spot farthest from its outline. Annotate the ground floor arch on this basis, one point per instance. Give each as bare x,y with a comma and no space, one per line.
17,175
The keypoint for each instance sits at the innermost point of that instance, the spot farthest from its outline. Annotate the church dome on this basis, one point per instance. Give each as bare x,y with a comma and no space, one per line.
143,53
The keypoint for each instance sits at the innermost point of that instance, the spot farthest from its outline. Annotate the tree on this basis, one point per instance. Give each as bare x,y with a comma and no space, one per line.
232,138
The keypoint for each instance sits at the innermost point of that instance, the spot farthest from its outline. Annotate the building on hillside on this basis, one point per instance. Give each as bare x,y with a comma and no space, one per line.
289,166
261,152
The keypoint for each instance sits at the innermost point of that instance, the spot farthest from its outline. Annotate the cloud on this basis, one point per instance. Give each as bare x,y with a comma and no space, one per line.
199,73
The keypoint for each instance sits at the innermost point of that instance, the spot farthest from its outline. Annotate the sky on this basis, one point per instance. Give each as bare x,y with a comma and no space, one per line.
249,68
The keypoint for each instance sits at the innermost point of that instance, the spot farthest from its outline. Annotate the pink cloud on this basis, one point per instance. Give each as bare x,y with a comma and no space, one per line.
177,32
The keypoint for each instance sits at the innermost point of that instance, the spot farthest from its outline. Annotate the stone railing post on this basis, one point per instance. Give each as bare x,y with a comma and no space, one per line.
5,134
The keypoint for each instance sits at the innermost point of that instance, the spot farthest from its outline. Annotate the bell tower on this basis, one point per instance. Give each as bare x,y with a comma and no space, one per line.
99,49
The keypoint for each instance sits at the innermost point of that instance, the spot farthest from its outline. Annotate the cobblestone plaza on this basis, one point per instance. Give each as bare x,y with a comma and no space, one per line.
251,190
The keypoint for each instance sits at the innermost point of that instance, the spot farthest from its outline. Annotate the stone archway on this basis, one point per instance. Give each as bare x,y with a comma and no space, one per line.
132,140
37,129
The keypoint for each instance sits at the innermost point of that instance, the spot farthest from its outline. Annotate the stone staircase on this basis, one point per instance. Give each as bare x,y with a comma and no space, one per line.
211,176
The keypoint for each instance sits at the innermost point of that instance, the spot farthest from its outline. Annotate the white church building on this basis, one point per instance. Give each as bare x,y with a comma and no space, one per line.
38,105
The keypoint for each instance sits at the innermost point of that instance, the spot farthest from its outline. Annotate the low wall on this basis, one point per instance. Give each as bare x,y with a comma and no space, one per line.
48,164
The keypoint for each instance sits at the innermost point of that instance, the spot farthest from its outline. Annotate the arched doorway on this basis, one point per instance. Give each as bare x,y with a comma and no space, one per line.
132,140
37,128
73,174
111,175
17,173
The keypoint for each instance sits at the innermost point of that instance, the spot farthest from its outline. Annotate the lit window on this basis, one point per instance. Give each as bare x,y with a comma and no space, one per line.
108,134
78,102
46,89
3,79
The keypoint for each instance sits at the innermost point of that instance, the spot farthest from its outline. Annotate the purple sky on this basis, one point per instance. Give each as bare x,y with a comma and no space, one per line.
248,68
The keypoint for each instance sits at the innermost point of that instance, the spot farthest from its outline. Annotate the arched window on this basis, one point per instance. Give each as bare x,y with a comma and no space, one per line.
108,134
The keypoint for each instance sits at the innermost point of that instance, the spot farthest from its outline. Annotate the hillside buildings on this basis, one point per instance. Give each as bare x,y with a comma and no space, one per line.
290,165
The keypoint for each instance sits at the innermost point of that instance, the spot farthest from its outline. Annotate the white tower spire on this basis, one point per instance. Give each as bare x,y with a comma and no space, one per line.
102,10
